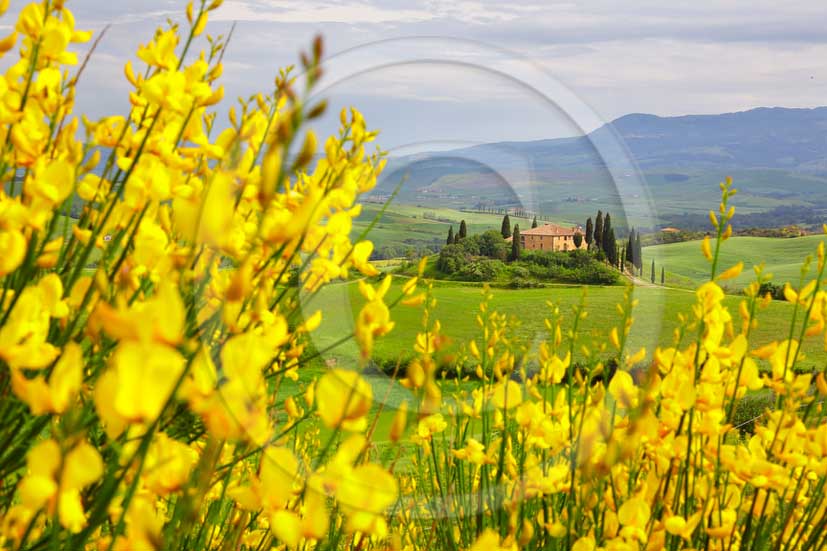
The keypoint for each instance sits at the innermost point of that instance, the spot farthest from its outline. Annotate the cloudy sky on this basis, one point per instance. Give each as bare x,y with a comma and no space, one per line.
460,72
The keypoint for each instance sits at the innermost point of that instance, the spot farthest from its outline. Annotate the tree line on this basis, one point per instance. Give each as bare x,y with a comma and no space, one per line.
600,236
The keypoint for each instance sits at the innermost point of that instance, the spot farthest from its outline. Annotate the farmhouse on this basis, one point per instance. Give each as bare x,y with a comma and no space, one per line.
551,237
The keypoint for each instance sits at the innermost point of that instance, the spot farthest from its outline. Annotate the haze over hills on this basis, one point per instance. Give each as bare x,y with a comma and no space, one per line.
778,157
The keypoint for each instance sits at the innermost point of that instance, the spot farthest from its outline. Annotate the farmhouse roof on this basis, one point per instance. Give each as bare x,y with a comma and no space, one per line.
551,229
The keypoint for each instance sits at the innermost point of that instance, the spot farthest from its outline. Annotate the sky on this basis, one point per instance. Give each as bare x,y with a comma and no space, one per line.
440,74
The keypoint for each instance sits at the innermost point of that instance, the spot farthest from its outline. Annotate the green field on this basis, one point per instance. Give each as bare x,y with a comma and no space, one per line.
781,257
655,317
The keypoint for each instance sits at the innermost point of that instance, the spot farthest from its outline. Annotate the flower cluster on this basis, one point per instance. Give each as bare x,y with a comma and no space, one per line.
151,268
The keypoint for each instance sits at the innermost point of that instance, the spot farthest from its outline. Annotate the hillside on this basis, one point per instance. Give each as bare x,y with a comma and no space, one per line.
771,138
777,156
781,257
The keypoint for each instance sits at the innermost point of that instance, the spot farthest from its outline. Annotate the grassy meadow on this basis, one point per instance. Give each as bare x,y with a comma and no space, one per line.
656,317
685,265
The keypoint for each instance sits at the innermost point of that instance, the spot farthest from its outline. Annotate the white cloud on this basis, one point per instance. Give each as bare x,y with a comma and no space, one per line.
316,12
637,56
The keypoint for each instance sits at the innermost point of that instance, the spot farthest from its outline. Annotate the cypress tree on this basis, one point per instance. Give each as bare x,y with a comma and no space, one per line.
515,243
534,223
589,232
450,236
653,270
610,246
598,230
505,229
608,235
463,231
630,248
578,240
638,252
662,276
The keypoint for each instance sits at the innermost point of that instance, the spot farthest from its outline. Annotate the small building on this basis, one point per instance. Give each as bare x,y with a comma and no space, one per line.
551,237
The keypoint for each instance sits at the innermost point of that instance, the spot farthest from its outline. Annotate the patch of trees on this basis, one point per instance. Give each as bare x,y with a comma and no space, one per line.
576,266
410,252
776,291
774,218
455,257
785,232
488,257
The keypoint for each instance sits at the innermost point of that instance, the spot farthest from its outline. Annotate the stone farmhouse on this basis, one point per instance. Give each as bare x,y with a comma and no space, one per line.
550,237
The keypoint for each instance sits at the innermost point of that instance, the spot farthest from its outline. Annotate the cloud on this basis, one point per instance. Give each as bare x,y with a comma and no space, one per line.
316,12
637,56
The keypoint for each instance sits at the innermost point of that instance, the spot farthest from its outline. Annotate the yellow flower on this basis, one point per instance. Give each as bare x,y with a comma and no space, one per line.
12,250
23,337
51,183
586,543
554,368
363,495
291,528
431,425
168,465
30,21
706,248
473,452
161,51
400,422
146,374
722,528
623,389
634,515
679,526
278,475
507,394
50,254
675,524
489,540
732,272
39,484
45,485
64,383
359,258
374,318
343,399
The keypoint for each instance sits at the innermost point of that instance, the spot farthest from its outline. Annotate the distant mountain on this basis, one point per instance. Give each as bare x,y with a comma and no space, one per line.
759,138
778,155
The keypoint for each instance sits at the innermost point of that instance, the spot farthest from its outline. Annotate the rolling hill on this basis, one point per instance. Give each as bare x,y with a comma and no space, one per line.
781,257
777,156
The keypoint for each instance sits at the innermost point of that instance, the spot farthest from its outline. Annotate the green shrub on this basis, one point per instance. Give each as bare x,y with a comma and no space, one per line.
749,410
776,291
481,270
